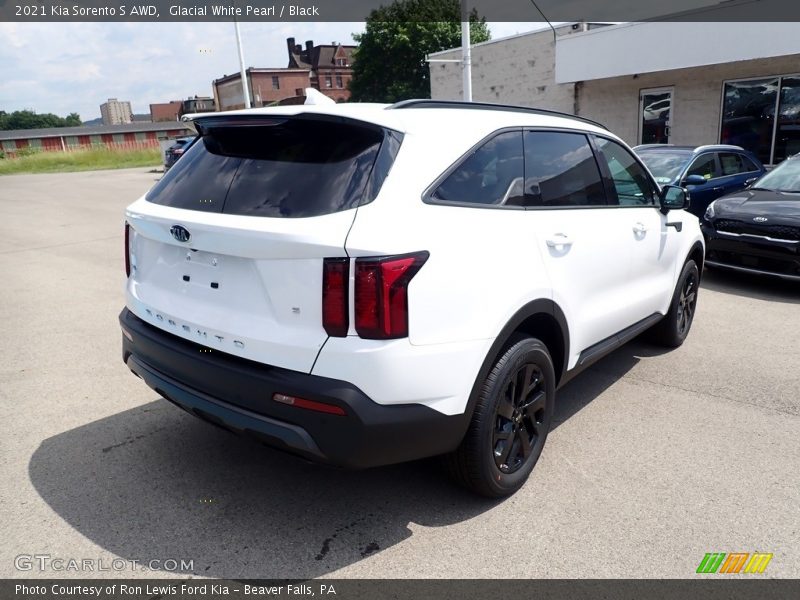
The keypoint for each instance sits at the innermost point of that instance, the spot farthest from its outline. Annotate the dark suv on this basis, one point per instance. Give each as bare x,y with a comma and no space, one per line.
708,172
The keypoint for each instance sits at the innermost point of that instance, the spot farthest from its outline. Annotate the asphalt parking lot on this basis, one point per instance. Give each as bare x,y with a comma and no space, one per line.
656,458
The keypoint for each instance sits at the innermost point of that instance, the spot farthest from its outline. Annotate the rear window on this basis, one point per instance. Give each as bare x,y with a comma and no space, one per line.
278,167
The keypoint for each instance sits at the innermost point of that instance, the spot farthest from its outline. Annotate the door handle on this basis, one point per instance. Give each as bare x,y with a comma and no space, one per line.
639,229
559,239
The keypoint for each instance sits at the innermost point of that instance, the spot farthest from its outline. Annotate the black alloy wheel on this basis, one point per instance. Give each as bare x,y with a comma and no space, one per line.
510,420
519,419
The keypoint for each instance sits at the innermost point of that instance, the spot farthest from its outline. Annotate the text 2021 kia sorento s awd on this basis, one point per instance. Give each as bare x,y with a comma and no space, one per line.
368,284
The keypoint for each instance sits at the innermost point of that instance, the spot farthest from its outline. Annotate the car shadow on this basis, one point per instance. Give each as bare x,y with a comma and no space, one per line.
750,285
152,483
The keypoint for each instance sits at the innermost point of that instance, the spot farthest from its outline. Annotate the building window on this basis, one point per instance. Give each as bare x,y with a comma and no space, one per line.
328,82
276,82
339,83
748,116
298,92
341,62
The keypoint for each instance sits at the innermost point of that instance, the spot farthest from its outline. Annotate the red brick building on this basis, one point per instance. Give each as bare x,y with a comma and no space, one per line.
327,68
267,86
330,66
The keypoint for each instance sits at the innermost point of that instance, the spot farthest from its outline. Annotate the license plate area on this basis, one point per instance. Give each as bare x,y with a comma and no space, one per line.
202,269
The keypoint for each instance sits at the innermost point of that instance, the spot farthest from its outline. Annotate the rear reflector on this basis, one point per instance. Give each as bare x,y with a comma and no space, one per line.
127,250
381,294
322,407
335,296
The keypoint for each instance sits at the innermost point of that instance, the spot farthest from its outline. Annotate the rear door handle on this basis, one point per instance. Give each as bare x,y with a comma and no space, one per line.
559,239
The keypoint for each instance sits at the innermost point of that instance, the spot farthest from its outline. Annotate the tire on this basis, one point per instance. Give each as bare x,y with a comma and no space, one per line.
672,330
510,422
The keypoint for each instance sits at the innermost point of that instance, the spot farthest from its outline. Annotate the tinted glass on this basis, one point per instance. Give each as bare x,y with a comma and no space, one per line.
492,174
705,166
287,168
731,163
749,165
630,183
666,166
787,138
748,115
655,117
560,170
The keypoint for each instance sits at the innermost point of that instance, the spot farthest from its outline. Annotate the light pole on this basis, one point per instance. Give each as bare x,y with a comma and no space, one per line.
466,54
245,87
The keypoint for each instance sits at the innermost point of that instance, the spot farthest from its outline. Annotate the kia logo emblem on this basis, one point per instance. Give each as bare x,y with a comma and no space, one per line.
180,233
760,219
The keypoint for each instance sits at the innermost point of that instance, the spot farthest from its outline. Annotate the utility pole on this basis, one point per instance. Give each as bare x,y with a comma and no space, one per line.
245,87
466,54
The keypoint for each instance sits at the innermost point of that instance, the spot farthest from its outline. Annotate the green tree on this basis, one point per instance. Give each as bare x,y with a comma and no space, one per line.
28,119
389,64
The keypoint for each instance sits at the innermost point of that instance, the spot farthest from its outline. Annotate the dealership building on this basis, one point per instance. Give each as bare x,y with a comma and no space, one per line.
685,83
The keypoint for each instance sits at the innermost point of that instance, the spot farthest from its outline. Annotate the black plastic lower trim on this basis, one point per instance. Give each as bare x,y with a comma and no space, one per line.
237,394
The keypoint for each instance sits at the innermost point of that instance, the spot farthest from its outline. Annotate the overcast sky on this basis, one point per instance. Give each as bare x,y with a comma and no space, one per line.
74,67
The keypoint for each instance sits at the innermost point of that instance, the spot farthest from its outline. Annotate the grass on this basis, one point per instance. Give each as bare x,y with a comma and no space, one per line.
90,159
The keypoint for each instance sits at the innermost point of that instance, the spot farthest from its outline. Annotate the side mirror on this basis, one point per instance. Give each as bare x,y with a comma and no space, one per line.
673,197
695,180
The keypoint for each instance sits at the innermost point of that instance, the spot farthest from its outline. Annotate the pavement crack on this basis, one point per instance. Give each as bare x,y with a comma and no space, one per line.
711,394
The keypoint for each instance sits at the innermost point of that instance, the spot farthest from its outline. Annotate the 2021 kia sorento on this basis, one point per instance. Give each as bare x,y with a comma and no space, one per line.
368,284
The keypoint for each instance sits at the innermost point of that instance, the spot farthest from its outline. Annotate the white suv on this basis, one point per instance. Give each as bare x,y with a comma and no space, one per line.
368,284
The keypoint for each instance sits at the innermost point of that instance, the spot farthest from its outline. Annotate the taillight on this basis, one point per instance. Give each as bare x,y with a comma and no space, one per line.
335,296
381,294
127,250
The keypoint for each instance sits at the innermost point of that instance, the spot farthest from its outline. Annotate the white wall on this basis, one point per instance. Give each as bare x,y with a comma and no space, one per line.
516,70
632,48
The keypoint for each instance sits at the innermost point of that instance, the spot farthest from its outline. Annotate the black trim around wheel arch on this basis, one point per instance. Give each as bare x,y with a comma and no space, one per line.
236,394
541,306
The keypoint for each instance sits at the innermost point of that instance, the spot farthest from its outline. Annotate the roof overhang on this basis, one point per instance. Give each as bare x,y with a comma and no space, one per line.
636,48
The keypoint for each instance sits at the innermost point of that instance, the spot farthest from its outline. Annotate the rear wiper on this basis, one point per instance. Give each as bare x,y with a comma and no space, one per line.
761,189
789,191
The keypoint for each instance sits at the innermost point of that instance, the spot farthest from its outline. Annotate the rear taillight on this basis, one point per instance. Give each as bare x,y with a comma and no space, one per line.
381,294
127,250
335,296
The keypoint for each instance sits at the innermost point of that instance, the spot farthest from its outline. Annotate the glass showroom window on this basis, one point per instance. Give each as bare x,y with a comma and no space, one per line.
748,116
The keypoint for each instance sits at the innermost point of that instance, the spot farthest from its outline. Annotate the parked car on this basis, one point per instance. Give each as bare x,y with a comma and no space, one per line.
365,284
708,172
758,229
175,151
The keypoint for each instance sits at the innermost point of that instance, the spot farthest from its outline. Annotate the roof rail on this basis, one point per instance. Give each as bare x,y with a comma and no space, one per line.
489,106
718,147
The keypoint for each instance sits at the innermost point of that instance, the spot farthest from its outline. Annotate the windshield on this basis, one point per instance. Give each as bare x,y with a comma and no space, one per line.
783,178
665,166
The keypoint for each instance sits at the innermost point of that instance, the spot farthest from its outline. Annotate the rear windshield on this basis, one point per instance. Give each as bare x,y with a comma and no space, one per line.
282,167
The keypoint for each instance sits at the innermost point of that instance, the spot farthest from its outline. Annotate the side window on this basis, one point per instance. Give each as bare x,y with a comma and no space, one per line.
731,163
705,166
560,170
749,165
629,180
492,174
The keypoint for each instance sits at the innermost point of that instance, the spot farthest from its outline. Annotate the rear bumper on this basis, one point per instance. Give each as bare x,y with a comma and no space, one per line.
237,394
752,254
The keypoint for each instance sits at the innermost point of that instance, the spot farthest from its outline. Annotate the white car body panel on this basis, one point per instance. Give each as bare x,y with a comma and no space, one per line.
484,265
